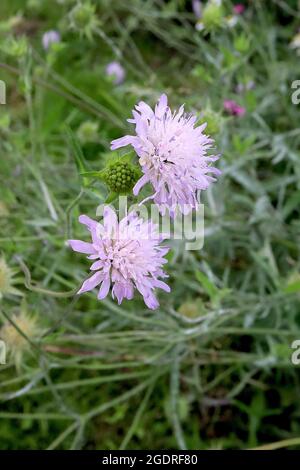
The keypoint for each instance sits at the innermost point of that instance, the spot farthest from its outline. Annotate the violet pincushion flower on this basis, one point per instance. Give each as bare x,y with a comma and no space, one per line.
233,108
50,37
173,155
126,255
239,8
115,70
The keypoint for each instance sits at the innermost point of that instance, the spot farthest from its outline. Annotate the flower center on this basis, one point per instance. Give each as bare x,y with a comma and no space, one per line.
157,159
120,253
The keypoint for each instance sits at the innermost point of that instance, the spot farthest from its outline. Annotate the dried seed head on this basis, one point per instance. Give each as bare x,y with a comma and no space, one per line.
6,279
17,344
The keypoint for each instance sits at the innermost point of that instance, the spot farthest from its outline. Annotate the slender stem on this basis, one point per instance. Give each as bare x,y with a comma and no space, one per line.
279,444
41,290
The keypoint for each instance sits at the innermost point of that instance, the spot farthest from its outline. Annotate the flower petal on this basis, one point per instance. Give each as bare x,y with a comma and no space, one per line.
81,247
145,109
161,106
151,301
85,220
119,290
161,285
96,229
91,282
96,265
104,289
121,142
140,183
110,221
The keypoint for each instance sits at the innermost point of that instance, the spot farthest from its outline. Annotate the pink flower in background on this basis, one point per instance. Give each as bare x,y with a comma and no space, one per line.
116,71
126,255
172,153
239,8
50,37
233,108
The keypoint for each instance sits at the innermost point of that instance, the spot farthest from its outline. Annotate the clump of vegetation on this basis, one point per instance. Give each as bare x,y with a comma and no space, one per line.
211,367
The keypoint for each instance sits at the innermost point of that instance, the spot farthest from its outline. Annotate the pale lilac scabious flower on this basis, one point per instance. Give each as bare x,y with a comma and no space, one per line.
116,71
173,155
50,37
233,108
241,87
126,254
197,8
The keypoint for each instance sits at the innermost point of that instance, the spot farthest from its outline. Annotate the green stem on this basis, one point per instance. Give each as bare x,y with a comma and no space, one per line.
40,290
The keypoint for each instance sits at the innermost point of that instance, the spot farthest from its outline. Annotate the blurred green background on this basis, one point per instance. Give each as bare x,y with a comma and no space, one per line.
211,368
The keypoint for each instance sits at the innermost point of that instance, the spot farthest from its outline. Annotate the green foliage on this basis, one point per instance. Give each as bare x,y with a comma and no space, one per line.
211,368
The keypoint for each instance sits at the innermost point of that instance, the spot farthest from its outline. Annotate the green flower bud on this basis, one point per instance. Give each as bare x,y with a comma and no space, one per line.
16,47
83,19
193,309
88,132
10,23
213,15
120,177
242,43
